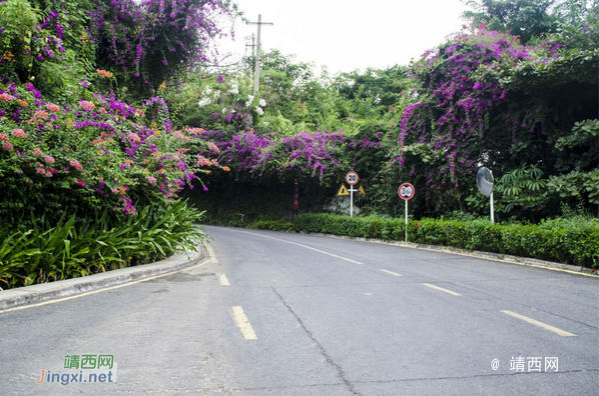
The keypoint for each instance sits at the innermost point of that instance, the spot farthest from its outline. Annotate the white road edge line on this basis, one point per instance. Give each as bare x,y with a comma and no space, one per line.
306,247
540,324
243,324
390,272
441,289
222,278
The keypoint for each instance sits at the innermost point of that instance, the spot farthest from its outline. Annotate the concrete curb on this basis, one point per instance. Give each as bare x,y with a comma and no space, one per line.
473,253
34,294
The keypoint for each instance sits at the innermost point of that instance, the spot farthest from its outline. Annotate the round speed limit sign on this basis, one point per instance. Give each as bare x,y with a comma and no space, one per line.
352,178
406,191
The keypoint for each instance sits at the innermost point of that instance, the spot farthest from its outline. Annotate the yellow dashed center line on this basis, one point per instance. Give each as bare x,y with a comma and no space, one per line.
222,278
390,272
243,323
540,324
441,289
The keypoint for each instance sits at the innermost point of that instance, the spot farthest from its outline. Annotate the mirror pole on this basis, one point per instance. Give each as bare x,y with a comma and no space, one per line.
492,214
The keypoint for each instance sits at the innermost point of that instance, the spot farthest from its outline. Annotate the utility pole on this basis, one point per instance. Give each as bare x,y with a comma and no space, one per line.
257,58
253,44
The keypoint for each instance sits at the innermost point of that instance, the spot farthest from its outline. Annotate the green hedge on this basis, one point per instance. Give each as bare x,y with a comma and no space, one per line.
74,247
571,241
273,225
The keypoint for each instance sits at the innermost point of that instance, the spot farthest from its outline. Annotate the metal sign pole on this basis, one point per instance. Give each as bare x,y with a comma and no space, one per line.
484,182
492,211
406,212
406,192
352,178
351,201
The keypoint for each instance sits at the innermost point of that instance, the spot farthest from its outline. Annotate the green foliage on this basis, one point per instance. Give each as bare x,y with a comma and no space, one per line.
526,19
238,201
576,187
577,24
45,42
206,101
17,20
86,161
292,99
579,150
372,93
522,188
273,225
573,241
79,246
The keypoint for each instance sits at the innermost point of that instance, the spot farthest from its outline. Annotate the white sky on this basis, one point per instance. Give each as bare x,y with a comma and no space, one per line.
345,35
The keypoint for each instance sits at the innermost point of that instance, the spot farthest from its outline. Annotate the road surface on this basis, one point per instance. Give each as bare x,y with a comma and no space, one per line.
289,314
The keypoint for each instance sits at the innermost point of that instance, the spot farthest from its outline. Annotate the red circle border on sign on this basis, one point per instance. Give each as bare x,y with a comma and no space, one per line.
357,176
406,198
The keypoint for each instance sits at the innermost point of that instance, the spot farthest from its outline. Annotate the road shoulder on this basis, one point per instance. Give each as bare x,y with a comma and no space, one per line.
44,292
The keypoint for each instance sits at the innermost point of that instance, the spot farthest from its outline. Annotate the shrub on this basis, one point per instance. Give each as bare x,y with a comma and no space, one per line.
81,246
572,241
273,225
89,155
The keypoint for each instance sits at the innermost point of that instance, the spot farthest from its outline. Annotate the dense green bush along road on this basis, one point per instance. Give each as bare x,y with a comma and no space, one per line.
572,241
279,313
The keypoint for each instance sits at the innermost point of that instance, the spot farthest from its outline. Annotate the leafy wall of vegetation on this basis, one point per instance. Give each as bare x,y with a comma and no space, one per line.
523,105
90,164
572,241
108,112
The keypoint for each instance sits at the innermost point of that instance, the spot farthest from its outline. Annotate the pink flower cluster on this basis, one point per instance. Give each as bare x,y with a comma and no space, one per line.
52,107
87,105
75,164
6,97
18,132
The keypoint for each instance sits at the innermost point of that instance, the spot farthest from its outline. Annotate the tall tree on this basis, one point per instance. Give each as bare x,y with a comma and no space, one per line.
525,19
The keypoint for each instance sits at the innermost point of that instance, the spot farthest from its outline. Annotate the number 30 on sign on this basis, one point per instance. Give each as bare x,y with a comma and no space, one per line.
406,191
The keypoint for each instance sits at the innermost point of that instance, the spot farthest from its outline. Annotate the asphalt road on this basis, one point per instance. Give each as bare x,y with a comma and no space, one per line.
288,314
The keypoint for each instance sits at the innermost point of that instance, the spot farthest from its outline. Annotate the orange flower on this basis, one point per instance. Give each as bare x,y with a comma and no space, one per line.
8,56
104,73
194,131
39,115
226,169
213,147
